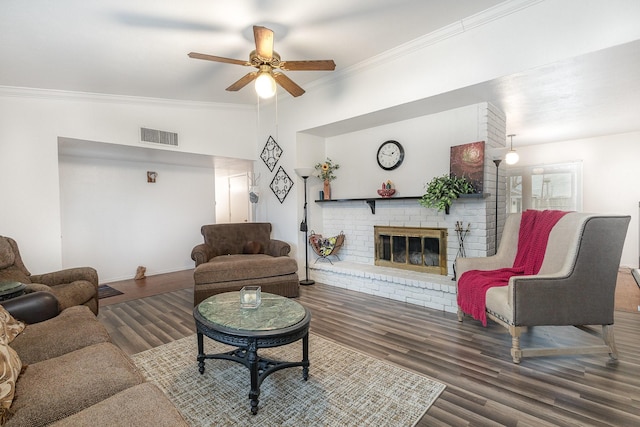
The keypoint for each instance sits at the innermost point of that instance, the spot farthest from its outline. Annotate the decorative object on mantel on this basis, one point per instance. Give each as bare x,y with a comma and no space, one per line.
325,247
387,190
468,160
441,191
325,171
271,153
281,184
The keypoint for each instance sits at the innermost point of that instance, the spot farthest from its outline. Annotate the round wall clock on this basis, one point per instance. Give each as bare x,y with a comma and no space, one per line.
390,155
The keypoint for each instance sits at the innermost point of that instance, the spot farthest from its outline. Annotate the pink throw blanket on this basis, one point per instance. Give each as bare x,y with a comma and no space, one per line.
533,235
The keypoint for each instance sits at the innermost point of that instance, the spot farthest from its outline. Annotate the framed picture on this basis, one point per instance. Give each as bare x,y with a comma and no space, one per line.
468,160
281,184
271,153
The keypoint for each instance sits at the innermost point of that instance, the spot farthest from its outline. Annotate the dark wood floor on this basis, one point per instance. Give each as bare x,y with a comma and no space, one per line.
484,388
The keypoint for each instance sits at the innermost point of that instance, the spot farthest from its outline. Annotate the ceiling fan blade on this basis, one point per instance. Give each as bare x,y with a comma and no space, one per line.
206,57
264,42
288,84
318,65
248,78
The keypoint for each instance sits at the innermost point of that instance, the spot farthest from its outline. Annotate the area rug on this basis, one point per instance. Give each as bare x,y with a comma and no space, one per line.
345,387
106,291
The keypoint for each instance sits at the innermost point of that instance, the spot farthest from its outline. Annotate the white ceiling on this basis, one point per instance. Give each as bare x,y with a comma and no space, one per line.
139,48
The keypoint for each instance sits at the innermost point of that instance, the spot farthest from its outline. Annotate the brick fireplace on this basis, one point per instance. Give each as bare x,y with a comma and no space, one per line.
357,269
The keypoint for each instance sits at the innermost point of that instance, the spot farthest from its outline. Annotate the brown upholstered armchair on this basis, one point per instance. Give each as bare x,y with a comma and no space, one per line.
575,285
242,254
73,286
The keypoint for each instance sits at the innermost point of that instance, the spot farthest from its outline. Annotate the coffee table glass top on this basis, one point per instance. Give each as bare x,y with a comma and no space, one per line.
275,312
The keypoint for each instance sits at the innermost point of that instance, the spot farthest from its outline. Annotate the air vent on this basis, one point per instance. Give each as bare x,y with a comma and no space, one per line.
159,137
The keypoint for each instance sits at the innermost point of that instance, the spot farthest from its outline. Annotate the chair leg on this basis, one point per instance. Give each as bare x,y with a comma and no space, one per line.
516,351
460,314
609,340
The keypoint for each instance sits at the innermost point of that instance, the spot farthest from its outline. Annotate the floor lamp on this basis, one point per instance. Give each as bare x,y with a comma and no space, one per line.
497,162
305,173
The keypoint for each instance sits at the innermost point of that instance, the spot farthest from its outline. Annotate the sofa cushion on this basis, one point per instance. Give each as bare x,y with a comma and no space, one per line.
74,328
252,248
228,268
56,388
7,257
9,327
141,405
10,367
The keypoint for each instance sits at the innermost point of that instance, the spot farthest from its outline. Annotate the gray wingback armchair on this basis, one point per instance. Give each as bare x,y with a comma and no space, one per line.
72,286
575,285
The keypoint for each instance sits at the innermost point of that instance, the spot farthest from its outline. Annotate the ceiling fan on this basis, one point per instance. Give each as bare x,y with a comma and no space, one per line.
266,60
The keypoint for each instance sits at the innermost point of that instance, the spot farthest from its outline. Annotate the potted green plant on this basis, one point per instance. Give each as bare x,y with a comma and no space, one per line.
441,191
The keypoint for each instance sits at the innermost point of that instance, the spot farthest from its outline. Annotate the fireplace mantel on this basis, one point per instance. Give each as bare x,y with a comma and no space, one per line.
371,201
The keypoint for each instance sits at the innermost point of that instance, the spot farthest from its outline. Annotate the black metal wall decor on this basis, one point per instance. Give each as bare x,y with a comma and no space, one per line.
271,153
281,184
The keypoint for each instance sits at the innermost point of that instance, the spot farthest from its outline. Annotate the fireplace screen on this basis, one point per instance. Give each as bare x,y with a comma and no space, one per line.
412,248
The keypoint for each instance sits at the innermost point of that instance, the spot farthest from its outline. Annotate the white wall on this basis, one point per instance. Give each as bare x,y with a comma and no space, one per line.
31,121
610,177
115,221
426,141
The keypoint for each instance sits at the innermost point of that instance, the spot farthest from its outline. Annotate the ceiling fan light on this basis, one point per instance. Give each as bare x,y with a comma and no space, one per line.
265,85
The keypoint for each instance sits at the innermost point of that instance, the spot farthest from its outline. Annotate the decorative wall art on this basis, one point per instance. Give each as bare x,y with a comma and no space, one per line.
271,153
467,161
281,184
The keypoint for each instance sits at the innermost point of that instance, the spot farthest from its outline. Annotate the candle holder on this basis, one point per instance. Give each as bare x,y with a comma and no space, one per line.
250,297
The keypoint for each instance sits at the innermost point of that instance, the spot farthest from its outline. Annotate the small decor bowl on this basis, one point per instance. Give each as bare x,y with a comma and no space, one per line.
386,193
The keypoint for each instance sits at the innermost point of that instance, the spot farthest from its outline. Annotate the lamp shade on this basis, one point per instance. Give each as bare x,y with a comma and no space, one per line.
304,172
265,85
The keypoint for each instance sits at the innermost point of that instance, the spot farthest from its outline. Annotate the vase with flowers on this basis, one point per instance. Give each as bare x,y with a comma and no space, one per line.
325,171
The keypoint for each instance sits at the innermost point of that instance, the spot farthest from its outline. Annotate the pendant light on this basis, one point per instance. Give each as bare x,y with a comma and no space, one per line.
512,157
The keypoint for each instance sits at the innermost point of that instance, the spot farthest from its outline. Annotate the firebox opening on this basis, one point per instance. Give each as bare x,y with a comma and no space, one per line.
412,248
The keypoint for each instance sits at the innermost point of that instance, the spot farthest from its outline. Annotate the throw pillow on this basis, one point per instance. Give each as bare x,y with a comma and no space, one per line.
9,327
252,247
10,367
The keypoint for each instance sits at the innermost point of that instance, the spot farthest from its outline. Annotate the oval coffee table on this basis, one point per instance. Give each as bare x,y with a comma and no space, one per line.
277,321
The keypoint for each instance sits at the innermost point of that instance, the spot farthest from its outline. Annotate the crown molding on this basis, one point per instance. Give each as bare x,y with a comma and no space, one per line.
64,95
480,19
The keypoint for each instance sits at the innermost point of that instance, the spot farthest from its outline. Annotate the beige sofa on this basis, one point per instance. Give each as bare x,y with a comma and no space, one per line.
74,375
242,254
